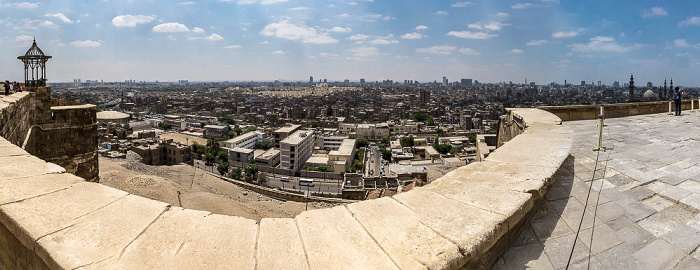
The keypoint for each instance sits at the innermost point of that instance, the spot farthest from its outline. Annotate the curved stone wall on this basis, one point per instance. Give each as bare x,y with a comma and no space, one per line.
59,221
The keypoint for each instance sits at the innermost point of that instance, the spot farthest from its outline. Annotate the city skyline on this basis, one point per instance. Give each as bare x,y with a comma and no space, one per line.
540,40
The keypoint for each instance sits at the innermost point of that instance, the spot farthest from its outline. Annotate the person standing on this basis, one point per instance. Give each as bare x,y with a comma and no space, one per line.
677,97
7,88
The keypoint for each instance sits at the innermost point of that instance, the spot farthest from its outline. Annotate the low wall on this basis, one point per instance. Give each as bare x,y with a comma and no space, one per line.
462,220
586,112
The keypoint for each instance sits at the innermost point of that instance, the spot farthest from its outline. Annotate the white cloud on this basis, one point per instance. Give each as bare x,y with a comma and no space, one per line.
564,34
602,44
344,15
441,49
502,14
471,35
536,42
60,16
187,3
24,38
303,33
421,27
517,51
352,3
214,37
20,5
375,17
278,52
365,51
654,12
692,21
232,47
462,4
442,13
328,55
339,29
197,30
358,37
262,2
681,43
86,43
131,20
469,51
412,36
385,40
493,26
170,28
298,8
522,5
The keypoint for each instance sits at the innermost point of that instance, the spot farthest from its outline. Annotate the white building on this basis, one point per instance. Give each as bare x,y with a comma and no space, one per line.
332,142
296,149
247,140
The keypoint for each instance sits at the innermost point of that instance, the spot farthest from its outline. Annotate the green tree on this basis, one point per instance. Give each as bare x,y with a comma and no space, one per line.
430,122
222,155
420,117
227,119
437,141
472,139
407,141
223,168
165,126
441,133
236,173
361,142
385,142
444,148
198,148
251,172
209,157
386,155
264,145
323,169
251,128
237,130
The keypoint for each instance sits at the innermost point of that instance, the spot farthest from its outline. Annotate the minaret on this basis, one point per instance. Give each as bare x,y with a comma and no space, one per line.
670,90
665,89
631,88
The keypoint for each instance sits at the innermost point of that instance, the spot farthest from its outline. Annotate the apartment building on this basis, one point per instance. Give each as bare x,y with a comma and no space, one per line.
295,149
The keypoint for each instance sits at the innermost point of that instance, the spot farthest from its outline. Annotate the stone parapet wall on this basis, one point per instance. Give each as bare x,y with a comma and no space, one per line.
461,220
586,112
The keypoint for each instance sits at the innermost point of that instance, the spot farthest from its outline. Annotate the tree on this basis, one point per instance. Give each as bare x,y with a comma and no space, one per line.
430,122
386,155
264,145
437,141
444,148
237,130
420,117
472,139
251,128
407,141
227,119
209,157
385,142
251,172
361,142
222,155
262,178
441,133
198,148
236,173
323,169
223,168
165,126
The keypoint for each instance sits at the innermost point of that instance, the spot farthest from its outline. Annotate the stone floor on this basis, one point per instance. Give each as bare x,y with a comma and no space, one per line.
647,215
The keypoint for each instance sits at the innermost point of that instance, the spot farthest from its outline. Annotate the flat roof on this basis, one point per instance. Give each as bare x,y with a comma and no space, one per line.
269,154
243,137
242,150
215,127
345,149
297,137
288,129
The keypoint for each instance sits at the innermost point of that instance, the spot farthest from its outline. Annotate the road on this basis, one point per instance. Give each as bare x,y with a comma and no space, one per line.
273,180
373,164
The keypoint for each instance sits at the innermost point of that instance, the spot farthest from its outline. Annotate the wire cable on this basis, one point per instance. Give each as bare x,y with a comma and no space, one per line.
600,190
583,214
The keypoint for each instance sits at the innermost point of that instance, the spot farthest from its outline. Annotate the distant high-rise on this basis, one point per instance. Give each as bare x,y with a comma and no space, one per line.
565,83
325,81
631,88
444,81
583,83
650,85
362,82
466,82
616,84
311,79
424,97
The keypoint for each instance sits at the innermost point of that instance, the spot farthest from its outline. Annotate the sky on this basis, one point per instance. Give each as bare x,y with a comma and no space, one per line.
242,40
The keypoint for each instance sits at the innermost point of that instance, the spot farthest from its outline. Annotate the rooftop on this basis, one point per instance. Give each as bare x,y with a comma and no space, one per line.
111,115
647,215
297,137
243,137
345,149
288,129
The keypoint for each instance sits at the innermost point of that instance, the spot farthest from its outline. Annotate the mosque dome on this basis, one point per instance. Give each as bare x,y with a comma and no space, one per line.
649,94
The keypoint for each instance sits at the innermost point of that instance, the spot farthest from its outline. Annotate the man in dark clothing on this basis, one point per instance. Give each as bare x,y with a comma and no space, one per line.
677,96
7,88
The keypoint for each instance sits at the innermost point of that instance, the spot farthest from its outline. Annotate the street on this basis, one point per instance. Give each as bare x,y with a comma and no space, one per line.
373,164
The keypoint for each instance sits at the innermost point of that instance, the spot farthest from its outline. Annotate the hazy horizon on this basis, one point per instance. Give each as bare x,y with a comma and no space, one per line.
265,40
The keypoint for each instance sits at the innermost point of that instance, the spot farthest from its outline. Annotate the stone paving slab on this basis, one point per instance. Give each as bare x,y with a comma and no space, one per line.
279,245
650,215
